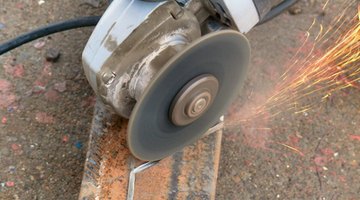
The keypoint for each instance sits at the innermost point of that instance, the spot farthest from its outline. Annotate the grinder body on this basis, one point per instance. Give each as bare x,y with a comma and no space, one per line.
172,67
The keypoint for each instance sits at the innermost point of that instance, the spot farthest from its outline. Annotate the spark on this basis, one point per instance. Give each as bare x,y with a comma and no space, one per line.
319,75
291,148
326,63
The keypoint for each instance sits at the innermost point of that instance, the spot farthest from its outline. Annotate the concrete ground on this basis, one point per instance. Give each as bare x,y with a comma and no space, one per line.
46,109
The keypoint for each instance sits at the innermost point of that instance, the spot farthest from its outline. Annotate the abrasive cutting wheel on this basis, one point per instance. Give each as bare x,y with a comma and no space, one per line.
188,95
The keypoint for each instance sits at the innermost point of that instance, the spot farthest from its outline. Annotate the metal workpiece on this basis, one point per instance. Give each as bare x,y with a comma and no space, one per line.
110,169
126,73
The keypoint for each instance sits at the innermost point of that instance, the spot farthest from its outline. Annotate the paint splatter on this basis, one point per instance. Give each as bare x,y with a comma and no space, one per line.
16,147
44,118
3,120
10,184
355,137
78,144
65,138
16,71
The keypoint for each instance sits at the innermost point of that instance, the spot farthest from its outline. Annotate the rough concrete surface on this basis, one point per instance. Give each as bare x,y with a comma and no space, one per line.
46,110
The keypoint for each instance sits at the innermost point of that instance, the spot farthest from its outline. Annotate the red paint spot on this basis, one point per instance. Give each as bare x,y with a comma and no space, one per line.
15,147
19,70
65,138
355,137
44,118
10,184
3,120
14,70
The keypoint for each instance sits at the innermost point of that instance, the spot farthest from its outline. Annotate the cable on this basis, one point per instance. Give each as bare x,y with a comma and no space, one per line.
93,20
277,10
47,30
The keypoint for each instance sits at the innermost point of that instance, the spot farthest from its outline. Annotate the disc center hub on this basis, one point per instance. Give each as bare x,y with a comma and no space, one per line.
194,99
199,104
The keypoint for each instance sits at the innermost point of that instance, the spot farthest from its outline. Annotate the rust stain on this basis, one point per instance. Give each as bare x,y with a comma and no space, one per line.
186,185
190,174
114,168
154,183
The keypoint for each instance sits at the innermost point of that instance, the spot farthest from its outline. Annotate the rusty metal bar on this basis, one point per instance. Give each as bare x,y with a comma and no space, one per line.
189,174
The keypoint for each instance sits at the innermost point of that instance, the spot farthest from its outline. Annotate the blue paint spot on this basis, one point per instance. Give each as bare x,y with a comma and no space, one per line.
78,144
10,109
2,26
92,161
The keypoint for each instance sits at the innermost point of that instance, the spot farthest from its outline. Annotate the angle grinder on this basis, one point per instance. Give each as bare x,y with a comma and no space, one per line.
171,67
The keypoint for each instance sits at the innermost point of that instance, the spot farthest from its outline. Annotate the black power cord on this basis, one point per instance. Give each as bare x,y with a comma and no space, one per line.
277,10
47,30
93,20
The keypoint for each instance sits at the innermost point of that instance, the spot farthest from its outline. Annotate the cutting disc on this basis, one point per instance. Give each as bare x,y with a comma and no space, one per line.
216,64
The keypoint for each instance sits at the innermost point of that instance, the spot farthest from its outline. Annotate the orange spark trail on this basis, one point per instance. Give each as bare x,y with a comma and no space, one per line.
319,76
